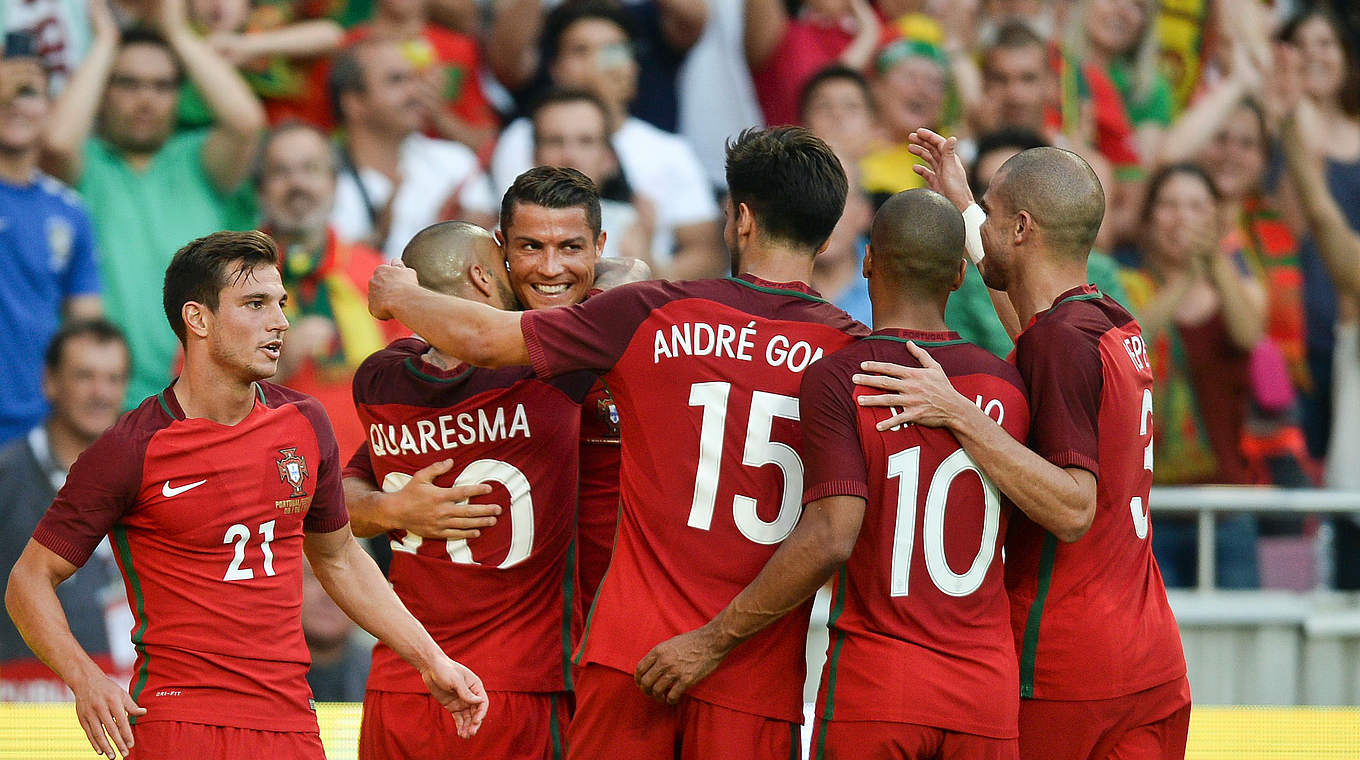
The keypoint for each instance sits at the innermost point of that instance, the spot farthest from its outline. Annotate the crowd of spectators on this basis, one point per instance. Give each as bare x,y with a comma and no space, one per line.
1226,134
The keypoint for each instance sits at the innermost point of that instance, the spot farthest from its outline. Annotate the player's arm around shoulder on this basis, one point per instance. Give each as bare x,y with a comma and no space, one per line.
1061,499
479,334
358,587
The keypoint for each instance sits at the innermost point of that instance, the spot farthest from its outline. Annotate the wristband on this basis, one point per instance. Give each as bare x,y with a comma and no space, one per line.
973,217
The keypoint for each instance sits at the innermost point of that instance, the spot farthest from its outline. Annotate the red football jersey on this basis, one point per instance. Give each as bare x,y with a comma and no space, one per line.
500,603
920,623
597,513
706,376
206,522
1090,618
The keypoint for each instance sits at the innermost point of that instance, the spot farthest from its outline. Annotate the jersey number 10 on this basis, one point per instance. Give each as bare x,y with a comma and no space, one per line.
906,467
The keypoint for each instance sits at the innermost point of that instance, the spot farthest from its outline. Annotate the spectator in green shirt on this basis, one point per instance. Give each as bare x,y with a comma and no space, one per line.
150,190
970,312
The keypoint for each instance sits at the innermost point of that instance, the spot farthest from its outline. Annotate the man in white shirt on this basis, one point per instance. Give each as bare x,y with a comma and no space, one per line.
590,48
395,181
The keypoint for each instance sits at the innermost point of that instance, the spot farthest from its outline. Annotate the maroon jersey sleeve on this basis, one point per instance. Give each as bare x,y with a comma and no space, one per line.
101,486
327,512
591,335
833,458
360,465
1060,364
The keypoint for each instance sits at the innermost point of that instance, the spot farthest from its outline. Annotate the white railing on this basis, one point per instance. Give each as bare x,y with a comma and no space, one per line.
1205,502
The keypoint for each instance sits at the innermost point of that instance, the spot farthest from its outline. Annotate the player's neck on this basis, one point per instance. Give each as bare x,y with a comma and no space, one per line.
205,391
776,263
905,314
1036,286
17,167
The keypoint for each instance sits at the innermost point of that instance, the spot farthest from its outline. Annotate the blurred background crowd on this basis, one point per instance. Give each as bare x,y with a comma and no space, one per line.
1226,134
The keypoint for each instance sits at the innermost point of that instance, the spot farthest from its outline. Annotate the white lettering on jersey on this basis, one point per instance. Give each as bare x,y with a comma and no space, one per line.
703,339
1137,351
449,431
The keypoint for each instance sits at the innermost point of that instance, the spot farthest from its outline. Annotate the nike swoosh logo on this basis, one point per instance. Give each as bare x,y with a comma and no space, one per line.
167,491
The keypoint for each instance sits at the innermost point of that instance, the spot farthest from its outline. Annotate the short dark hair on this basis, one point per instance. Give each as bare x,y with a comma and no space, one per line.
790,180
200,270
566,14
559,96
139,35
1015,34
1165,174
346,76
1007,137
836,72
917,241
98,329
552,187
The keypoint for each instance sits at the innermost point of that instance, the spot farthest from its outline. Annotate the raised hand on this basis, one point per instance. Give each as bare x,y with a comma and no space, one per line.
943,170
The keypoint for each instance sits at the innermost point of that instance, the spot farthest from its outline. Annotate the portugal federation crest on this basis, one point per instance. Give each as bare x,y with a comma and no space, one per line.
293,471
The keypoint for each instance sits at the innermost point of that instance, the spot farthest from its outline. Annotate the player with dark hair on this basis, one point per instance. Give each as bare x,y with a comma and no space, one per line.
431,418
919,660
1102,672
706,377
212,491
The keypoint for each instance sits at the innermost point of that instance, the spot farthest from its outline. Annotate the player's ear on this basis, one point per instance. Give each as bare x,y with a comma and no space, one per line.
746,221
196,318
867,266
599,245
1024,227
959,275
480,279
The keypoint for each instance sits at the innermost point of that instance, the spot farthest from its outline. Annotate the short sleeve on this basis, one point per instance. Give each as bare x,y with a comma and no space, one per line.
81,277
101,487
327,512
833,459
1062,369
360,465
589,336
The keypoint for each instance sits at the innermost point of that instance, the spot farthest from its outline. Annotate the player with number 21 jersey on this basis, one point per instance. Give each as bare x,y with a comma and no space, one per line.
192,506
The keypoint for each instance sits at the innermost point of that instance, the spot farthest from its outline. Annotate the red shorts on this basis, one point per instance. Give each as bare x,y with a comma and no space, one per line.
1147,725
616,721
175,740
882,740
518,726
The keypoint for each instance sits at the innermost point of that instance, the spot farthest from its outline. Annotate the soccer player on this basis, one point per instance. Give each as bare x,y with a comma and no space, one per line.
920,663
212,491
432,417
706,376
1102,673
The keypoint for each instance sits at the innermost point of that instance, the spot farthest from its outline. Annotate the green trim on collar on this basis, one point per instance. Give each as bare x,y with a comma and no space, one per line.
777,291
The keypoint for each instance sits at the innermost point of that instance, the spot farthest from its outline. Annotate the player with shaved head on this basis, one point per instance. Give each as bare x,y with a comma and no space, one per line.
434,422
920,664
1102,673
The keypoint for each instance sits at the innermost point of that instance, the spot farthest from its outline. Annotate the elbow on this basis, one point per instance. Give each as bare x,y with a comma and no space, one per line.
1077,523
